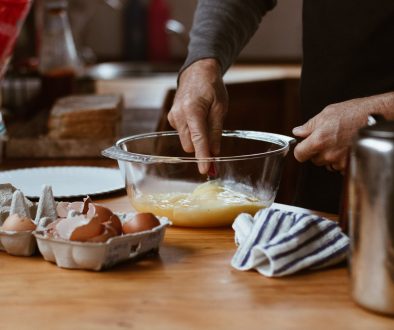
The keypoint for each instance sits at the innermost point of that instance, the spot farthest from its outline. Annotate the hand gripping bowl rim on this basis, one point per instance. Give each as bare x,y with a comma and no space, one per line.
117,153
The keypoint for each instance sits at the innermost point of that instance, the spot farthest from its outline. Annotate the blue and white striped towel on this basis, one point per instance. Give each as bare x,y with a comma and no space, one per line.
278,243
3,131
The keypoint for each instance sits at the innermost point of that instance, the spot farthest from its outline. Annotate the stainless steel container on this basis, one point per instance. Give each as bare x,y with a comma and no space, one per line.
371,217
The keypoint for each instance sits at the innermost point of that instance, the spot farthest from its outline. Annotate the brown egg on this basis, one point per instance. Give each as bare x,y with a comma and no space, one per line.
140,222
15,222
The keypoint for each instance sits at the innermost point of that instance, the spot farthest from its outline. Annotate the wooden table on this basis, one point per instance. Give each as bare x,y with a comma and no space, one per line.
189,285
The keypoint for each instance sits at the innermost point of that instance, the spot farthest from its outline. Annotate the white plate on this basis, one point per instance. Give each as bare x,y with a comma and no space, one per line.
66,181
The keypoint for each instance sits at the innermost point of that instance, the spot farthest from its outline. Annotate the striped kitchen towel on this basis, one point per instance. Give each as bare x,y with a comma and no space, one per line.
3,131
278,243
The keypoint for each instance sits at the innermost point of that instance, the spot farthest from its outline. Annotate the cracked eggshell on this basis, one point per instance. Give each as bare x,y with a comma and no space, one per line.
79,228
106,216
101,255
108,232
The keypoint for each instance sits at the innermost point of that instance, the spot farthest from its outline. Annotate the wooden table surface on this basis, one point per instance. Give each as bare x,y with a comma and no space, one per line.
189,285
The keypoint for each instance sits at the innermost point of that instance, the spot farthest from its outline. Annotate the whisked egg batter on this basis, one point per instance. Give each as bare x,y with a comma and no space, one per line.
210,204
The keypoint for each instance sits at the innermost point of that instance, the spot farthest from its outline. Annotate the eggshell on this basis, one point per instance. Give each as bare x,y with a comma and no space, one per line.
107,234
85,221
140,222
62,209
15,222
105,215
79,228
116,224
50,229
101,212
76,206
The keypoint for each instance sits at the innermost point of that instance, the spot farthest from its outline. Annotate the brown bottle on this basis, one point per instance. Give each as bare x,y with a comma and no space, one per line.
59,63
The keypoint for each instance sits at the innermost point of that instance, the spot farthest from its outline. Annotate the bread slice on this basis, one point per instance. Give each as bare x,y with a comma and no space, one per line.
95,116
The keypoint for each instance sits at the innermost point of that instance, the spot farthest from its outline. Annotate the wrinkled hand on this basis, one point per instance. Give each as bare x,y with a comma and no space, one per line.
328,135
199,107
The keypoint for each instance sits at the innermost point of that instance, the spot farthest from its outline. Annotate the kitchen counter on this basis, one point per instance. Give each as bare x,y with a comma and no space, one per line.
144,95
189,285
149,91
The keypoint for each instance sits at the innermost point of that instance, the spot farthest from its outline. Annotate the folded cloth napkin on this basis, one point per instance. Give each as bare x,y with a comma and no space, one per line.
278,243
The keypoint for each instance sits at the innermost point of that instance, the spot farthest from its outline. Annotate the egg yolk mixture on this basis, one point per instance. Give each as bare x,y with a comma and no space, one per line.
210,204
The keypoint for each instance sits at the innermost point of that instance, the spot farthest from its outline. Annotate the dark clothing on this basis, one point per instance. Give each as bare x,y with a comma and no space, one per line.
221,28
348,52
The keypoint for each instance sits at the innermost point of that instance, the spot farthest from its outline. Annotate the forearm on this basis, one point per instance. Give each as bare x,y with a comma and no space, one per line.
384,105
221,28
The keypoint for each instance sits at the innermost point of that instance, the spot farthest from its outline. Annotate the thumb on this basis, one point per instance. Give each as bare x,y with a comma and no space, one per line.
303,130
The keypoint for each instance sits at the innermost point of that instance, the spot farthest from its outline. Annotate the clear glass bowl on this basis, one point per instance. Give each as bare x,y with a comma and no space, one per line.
161,178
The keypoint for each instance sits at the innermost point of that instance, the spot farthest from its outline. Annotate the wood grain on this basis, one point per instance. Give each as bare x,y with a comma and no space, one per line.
189,285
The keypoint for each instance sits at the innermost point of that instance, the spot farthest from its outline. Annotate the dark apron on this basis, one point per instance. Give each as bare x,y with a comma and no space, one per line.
348,52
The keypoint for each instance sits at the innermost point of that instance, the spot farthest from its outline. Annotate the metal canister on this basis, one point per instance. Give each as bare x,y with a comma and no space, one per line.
371,217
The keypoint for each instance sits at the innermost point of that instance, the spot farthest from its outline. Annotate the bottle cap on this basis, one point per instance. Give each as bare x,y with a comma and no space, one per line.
56,4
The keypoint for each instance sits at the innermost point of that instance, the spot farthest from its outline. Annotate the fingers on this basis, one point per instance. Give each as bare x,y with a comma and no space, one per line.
199,107
308,147
304,130
198,127
215,125
192,125
179,124
305,150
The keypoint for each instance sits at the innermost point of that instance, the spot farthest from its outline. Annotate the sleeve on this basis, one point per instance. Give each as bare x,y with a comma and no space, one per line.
221,28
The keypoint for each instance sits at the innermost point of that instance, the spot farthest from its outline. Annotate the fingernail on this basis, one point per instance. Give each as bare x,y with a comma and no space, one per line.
297,130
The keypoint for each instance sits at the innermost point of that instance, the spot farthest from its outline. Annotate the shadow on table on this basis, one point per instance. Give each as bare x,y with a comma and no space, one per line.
168,254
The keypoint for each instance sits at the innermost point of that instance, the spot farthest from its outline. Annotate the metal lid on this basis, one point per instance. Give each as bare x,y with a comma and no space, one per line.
383,129
56,4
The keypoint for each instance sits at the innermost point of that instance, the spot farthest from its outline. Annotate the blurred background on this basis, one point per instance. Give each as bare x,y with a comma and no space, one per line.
103,30
133,49
278,38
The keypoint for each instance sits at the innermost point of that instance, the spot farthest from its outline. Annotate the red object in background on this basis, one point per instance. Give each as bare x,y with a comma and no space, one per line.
12,16
158,43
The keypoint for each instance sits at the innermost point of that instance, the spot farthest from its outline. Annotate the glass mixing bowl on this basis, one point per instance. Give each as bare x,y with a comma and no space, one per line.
161,178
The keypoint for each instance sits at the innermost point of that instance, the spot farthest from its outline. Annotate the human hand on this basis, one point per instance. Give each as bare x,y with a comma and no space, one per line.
199,107
328,135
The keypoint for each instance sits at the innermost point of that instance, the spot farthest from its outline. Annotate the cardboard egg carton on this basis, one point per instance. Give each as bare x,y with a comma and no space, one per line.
23,243
99,256
65,253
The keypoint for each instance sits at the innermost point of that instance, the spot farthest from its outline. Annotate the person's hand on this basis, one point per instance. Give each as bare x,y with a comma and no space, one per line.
199,107
328,135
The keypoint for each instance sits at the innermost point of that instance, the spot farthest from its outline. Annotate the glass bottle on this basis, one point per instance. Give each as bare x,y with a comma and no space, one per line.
158,43
135,30
58,61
